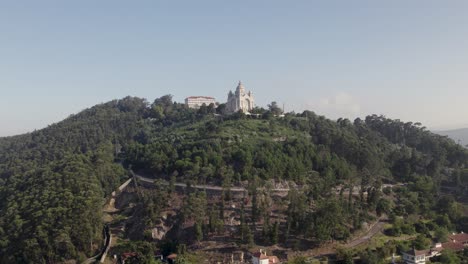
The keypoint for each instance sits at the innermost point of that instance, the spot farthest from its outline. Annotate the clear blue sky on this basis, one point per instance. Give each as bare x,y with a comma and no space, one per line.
403,59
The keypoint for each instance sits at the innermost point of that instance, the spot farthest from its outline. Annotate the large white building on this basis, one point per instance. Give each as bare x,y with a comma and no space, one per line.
197,101
240,100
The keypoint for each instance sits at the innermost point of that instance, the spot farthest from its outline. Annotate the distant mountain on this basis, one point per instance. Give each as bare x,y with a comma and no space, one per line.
459,135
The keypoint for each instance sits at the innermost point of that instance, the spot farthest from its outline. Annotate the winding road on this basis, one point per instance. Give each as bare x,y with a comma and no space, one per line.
206,187
107,240
356,190
377,227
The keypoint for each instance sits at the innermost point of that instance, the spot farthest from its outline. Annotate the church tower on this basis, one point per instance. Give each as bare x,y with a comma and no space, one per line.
240,100
240,89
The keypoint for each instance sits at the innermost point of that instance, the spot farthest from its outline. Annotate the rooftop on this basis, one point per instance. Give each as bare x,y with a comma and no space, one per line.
455,246
196,97
461,237
260,255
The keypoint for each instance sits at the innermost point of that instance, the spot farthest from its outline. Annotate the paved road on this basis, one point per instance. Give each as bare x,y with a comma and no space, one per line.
206,187
377,227
107,240
356,190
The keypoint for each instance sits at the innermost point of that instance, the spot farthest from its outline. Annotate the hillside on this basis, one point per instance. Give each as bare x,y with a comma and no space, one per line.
54,181
458,135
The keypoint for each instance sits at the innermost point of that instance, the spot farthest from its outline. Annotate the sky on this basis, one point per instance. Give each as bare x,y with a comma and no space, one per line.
404,59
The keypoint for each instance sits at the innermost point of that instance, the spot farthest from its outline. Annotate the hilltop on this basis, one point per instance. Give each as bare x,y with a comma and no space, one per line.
54,181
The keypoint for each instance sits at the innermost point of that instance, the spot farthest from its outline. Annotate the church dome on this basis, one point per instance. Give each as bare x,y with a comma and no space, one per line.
240,86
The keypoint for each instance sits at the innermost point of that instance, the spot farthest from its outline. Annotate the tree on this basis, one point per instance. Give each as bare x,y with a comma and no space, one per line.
198,231
369,257
221,109
449,257
383,207
274,108
441,234
344,256
421,242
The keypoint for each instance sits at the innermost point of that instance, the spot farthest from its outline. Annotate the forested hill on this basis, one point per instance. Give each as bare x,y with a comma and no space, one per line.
53,181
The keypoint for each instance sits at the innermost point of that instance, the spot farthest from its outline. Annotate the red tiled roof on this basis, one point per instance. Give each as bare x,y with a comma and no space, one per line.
455,246
462,237
260,255
172,256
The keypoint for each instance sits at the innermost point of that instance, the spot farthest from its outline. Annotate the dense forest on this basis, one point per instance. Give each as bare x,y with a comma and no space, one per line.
54,181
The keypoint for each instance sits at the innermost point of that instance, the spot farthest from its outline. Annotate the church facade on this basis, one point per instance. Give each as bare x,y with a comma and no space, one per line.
241,100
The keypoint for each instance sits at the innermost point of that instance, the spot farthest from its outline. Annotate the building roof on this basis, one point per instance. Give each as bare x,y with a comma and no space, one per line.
240,86
455,246
462,237
172,256
260,255
273,259
204,97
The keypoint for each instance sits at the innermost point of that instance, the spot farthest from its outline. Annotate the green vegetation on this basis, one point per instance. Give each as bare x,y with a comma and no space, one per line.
53,182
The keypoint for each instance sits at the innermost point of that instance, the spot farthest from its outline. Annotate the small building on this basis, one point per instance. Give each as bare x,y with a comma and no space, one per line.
457,242
197,101
421,256
415,256
261,257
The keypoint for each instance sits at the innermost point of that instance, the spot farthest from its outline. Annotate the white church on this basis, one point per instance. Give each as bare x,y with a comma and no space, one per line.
240,100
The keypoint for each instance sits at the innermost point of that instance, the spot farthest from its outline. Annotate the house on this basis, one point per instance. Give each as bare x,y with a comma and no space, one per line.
261,257
457,242
460,238
421,256
415,256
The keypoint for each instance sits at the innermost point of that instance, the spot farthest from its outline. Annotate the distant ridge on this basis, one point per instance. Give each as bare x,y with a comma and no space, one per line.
459,135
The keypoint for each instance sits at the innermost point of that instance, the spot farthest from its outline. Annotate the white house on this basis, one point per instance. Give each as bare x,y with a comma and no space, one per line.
457,242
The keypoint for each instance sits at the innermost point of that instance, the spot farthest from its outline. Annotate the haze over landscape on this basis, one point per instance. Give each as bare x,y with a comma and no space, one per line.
405,60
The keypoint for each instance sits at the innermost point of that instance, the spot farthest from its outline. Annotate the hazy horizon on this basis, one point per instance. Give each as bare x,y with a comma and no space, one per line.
61,116
404,60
